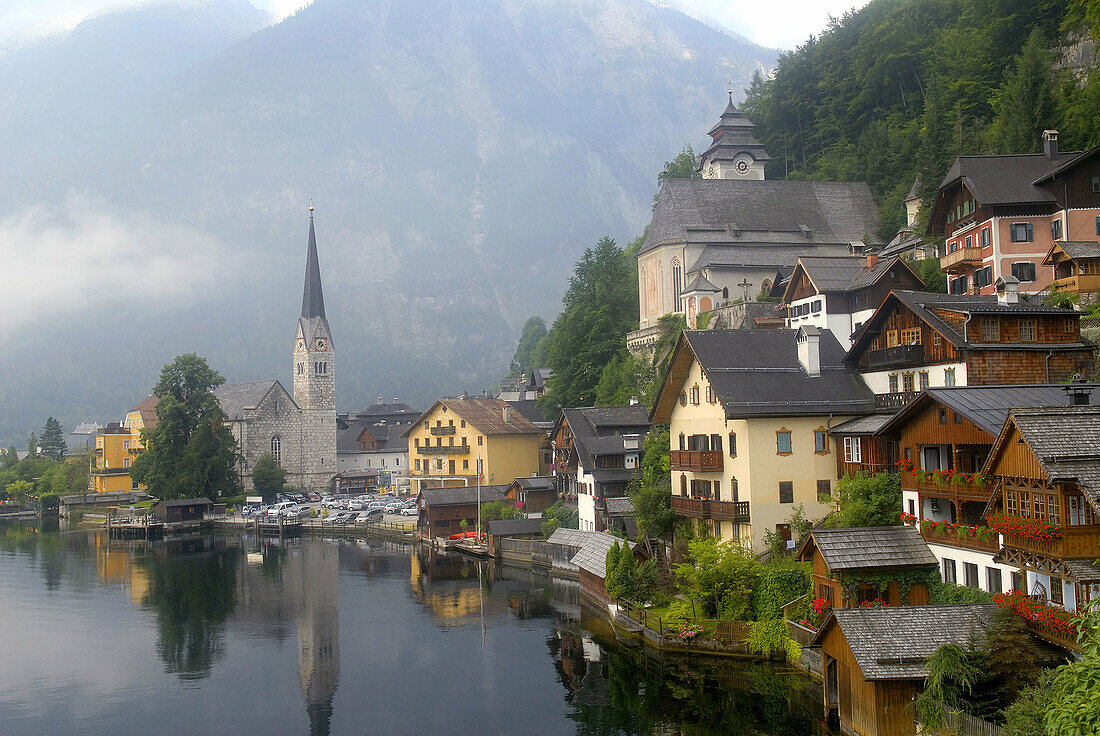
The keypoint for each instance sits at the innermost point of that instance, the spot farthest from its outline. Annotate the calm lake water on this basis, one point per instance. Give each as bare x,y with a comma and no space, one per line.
230,635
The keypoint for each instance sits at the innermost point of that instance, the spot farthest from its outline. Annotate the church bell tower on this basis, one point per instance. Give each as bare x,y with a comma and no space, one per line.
733,153
314,353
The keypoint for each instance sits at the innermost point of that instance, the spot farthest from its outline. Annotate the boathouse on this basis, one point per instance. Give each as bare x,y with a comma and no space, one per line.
442,510
873,660
864,564
535,492
512,529
589,556
182,510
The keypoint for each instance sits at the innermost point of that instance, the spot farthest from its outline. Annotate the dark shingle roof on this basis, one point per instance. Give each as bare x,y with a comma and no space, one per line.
875,547
387,409
1080,248
619,506
147,407
614,475
1066,442
599,430
700,283
592,556
187,502
757,373
869,424
529,409
895,642
725,211
234,398
781,256
390,437
508,527
462,496
536,483
1006,179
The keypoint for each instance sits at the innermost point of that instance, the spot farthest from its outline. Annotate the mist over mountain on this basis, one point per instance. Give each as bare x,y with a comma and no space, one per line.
460,156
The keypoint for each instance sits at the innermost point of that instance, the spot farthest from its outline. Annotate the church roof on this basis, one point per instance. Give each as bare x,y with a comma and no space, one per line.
731,135
313,299
234,398
800,215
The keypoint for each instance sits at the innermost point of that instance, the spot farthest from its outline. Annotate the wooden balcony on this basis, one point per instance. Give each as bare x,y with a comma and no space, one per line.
1076,541
959,490
702,508
971,256
895,401
449,429
971,542
699,461
898,356
443,450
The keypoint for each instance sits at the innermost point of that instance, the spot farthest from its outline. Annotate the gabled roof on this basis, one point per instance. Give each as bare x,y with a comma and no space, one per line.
599,430
462,495
619,506
147,407
868,425
757,373
869,548
895,642
592,556
385,410
842,274
1008,179
700,283
536,483
986,406
782,212
1065,441
187,502
508,527
234,398
1073,249
486,415
390,437
924,305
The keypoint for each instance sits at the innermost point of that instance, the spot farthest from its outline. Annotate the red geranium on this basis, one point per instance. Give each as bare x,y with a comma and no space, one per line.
1052,619
1036,530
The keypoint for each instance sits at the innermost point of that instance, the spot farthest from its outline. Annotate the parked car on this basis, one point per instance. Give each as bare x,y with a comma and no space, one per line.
274,512
340,517
356,505
313,496
297,513
409,511
393,507
369,517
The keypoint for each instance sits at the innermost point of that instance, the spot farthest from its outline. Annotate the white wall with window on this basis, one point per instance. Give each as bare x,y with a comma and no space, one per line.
895,380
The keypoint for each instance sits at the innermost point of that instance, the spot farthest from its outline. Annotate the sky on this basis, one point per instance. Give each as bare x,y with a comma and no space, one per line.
777,23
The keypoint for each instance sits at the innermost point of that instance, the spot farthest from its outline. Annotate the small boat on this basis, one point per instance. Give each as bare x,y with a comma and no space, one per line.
463,535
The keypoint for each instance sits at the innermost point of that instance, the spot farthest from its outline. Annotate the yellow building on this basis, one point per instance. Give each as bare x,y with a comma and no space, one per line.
116,447
448,440
749,413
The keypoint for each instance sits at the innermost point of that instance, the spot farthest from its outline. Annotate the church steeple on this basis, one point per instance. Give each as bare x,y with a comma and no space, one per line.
313,299
733,153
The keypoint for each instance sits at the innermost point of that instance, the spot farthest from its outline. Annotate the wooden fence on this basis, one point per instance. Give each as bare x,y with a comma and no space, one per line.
727,633
538,552
963,724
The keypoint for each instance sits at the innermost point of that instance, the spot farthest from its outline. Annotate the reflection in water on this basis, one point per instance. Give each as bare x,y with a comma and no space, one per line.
319,633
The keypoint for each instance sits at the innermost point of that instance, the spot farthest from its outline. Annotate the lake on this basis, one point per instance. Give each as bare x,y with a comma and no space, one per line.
227,634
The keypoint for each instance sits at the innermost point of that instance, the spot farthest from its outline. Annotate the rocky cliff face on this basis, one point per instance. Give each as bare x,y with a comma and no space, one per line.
460,155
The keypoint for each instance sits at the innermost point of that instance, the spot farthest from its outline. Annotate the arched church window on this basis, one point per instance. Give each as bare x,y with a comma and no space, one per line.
725,292
766,286
644,288
277,448
677,284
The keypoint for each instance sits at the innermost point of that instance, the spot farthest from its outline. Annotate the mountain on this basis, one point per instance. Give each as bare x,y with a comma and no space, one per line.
460,157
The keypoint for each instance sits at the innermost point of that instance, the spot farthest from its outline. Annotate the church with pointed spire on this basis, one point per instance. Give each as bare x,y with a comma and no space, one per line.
298,430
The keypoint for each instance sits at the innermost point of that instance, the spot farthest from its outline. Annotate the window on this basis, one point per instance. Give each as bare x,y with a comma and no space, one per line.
816,306
991,330
1056,591
465,464
677,285
733,444
1080,512
126,444
1098,225
1096,185
970,574
125,462
959,420
683,485
1039,505
948,376
1022,232
983,277
983,237
134,485
783,442
277,448
733,489
907,382
891,338
1024,271
425,425
912,507
683,398
969,241
943,416
923,375
821,441
302,366
463,425
480,440
893,383
416,442
910,336
949,571
786,491
853,450
993,580
695,395
1025,504
1056,229
824,491
1019,582
1027,330
417,464
1054,510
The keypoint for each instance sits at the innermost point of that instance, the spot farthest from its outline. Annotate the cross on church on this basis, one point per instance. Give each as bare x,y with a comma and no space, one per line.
745,284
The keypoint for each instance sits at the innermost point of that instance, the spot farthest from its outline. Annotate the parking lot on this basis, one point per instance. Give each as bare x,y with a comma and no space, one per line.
339,510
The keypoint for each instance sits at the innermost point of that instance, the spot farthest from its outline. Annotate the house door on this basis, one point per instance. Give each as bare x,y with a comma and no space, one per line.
832,683
451,467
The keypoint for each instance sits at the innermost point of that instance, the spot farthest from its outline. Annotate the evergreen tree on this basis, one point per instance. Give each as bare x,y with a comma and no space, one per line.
53,440
599,308
612,578
651,493
190,450
268,477
1025,103
868,500
527,355
32,445
10,458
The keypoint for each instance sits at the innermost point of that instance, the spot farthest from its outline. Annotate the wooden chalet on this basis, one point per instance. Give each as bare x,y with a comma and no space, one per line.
1046,465
182,510
442,510
873,660
1076,268
918,340
536,493
858,565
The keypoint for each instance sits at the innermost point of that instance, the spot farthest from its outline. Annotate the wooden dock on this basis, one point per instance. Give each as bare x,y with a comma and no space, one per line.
134,530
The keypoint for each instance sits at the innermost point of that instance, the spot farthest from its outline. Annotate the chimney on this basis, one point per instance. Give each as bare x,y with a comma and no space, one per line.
506,413
872,259
1050,144
809,350
380,401
1008,290
395,400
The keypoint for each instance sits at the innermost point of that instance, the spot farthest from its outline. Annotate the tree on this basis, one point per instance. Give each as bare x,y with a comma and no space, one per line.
934,279
615,578
1026,714
190,451
1074,708
9,458
53,440
950,675
20,490
651,491
268,477
867,500
32,445
559,516
682,167
598,310
1025,103
501,510
720,576
526,356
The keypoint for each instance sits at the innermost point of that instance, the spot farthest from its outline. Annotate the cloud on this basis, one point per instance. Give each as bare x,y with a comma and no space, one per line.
84,255
777,24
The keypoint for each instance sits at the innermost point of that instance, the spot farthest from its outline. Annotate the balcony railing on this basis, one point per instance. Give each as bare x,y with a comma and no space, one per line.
111,471
966,541
699,461
135,450
449,429
897,356
971,256
1076,541
702,508
956,489
895,401
443,450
